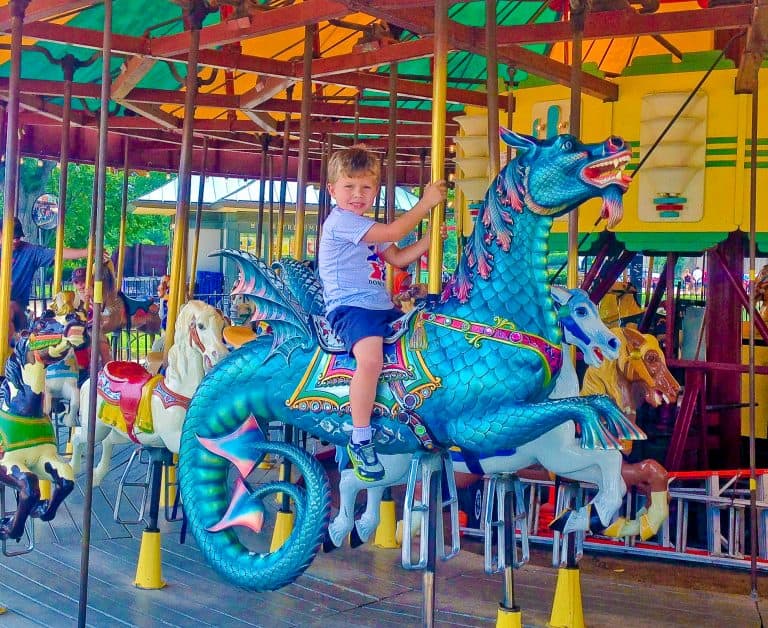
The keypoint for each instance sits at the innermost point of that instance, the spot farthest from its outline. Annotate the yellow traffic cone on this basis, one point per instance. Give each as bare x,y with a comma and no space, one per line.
567,611
509,617
283,529
386,532
149,568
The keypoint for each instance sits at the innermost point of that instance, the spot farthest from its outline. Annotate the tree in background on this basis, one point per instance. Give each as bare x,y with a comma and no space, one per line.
37,177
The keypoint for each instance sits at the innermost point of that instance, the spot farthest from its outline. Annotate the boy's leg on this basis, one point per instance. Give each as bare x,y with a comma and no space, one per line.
369,354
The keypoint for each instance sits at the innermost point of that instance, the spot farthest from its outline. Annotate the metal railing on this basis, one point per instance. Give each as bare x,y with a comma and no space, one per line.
709,511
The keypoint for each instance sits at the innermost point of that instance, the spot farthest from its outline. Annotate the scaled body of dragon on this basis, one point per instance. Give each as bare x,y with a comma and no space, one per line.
474,371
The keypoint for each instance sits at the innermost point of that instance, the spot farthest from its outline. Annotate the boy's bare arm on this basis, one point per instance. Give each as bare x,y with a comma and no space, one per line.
402,257
396,230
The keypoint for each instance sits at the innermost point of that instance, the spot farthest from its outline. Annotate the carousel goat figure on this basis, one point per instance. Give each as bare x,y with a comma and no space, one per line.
135,406
27,439
474,371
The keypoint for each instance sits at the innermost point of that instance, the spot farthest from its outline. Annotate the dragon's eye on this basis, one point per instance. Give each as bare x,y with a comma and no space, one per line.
567,145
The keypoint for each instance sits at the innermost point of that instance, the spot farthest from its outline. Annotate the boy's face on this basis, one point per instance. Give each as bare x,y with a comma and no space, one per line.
355,193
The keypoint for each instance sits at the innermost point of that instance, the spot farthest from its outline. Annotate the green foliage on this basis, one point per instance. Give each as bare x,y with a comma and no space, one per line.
36,177
140,229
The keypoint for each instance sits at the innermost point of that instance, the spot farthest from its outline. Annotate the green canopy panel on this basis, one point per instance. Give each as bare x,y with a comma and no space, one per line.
591,246
679,242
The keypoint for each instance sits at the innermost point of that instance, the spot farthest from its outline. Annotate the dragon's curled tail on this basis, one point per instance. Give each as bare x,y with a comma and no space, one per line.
204,467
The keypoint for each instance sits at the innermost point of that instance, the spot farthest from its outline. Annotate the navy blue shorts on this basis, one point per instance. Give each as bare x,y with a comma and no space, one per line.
351,324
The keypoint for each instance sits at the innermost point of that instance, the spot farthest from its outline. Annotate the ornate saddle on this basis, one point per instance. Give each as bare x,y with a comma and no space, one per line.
126,389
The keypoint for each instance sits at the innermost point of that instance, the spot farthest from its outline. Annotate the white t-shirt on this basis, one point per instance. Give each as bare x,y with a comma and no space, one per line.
351,270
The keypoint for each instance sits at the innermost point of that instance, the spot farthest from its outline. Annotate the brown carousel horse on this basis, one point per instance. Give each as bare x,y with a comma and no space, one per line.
27,439
123,312
639,375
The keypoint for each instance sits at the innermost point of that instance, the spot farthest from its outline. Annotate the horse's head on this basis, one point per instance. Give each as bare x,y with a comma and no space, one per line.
582,326
641,361
63,326
554,176
200,326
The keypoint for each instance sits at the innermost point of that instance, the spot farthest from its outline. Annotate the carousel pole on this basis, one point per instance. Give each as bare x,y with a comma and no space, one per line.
271,234
68,67
283,178
92,226
178,272
284,517
509,614
439,98
420,228
299,246
567,607
492,89
265,140
198,221
389,199
98,273
18,8
753,529
120,271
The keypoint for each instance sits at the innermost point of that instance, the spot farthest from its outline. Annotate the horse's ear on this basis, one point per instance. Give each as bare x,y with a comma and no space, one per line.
633,338
519,141
561,295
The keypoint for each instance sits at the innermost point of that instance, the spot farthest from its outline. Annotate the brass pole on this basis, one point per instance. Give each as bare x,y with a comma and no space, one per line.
123,216
420,229
299,246
68,67
198,221
752,382
439,96
578,11
284,178
492,89
178,271
389,210
98,273
17,7
92,226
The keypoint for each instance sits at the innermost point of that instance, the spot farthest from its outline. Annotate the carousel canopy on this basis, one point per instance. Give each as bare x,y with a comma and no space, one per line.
251,67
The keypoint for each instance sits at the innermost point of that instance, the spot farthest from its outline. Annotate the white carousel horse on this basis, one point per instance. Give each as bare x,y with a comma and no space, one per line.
558,450
133,405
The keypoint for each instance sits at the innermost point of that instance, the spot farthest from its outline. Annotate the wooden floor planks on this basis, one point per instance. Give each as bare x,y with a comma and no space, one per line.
345,589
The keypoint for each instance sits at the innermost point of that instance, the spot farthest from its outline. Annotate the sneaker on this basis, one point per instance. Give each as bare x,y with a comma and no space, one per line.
365,462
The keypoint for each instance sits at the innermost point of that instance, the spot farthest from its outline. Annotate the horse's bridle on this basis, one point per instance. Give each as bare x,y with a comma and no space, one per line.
194,337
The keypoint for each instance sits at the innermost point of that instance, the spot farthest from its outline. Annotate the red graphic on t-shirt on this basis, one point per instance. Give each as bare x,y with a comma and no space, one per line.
378,268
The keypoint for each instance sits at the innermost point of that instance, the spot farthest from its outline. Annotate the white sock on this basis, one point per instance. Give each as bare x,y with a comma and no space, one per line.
361,434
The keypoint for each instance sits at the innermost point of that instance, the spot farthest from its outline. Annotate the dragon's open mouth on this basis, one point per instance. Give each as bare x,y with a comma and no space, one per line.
608,171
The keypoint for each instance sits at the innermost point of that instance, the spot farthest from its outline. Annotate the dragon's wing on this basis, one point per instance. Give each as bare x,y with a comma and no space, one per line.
274,301
303,283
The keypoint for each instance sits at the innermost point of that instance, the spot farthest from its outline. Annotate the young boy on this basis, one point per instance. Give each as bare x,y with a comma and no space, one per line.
352,255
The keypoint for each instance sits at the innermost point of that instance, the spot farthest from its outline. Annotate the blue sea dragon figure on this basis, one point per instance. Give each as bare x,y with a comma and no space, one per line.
474,371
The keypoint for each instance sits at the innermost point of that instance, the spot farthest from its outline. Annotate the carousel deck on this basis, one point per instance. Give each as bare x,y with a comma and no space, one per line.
362,587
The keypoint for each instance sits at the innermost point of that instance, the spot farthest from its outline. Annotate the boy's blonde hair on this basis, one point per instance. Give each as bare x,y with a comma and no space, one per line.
351,162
